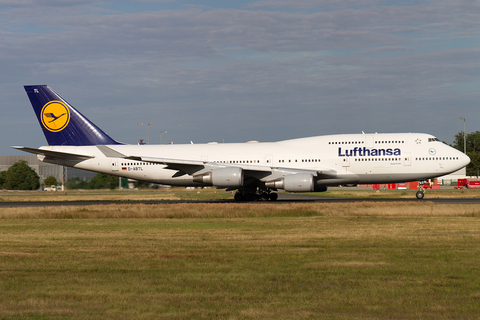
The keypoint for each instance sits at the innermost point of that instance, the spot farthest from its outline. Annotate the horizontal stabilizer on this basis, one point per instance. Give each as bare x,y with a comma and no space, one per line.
56,154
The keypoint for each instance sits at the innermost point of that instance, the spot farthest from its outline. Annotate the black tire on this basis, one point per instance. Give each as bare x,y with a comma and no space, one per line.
273,196
420,195
251,197
238,197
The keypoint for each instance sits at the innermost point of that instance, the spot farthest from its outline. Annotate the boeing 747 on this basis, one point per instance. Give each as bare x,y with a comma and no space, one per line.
256,170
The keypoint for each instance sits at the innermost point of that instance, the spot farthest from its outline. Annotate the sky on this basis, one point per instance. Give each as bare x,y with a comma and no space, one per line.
235,71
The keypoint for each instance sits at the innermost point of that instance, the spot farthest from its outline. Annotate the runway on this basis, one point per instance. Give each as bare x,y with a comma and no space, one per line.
282,199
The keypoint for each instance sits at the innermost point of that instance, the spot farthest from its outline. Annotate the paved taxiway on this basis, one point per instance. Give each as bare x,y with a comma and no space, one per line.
282,199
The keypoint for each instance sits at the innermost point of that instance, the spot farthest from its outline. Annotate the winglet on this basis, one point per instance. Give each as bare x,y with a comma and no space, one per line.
61,123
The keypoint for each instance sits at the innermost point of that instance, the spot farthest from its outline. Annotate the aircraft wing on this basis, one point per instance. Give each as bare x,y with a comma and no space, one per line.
196,166
192,167
186,166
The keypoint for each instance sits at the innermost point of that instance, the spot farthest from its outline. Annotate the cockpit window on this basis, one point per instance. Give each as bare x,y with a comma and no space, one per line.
432,139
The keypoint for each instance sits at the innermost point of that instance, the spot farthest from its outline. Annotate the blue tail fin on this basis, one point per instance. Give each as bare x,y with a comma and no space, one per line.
61,123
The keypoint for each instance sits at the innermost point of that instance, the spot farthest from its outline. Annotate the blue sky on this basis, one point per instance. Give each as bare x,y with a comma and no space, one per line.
235,71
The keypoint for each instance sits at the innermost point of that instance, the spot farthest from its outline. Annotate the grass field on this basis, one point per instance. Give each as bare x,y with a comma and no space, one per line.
241,261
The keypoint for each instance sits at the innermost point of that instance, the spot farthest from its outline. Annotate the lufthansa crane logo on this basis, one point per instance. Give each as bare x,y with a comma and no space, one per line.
55,116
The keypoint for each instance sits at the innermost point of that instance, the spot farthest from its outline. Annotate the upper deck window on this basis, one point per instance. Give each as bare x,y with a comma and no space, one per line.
432,139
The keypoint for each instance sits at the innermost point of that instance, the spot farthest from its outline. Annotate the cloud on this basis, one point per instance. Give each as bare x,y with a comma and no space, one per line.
38,3
268,71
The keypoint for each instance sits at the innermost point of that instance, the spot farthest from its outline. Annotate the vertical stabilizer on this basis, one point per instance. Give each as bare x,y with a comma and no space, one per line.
61,123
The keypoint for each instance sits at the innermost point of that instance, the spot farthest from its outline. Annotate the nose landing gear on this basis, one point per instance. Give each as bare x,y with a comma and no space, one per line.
420,194
421,190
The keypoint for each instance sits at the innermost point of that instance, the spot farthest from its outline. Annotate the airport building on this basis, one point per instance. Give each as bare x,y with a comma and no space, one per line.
45,170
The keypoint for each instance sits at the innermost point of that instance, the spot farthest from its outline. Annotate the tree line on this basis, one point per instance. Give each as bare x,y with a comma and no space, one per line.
21,177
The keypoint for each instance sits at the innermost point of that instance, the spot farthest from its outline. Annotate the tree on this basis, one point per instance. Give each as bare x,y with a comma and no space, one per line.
473,141
76,183
50,181
104,181
21,177
3,179
142,184
473,167
473,150
100,181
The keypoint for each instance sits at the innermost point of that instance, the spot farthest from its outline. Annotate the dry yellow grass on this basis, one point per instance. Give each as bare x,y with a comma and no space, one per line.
241,210
86,195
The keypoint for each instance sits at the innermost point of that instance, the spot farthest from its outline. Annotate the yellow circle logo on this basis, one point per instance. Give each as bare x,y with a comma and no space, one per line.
55,116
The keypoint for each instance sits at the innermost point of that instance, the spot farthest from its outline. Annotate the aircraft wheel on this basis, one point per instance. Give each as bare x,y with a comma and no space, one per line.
239,197
420,194
251,197
264,196
273,196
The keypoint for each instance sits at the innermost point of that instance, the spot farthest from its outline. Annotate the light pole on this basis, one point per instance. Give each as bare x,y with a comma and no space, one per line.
138,124
162,132
148,139
464,136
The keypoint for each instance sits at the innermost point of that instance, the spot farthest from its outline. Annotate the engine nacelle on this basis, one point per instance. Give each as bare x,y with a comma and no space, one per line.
223,177
301,182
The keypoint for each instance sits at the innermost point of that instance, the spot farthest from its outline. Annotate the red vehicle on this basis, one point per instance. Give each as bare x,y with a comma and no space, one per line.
473,184
462,182
426,185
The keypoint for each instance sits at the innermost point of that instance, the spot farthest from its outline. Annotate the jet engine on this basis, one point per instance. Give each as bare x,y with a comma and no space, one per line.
223,177
301,182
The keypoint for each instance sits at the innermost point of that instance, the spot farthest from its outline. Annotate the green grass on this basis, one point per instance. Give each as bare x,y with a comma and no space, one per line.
324,266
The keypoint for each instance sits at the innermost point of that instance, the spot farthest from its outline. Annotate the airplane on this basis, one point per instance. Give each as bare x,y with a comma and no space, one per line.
255,170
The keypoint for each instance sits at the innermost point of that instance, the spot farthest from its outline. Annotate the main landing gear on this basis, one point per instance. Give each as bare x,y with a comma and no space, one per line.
254,195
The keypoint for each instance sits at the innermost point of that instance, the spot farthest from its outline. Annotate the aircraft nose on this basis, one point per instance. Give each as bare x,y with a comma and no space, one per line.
464,159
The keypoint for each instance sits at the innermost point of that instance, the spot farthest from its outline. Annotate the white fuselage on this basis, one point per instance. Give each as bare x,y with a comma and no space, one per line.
357,158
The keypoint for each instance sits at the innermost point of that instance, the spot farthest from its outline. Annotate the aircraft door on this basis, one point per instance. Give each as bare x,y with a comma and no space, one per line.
114,163
346,162
369,141
408,161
